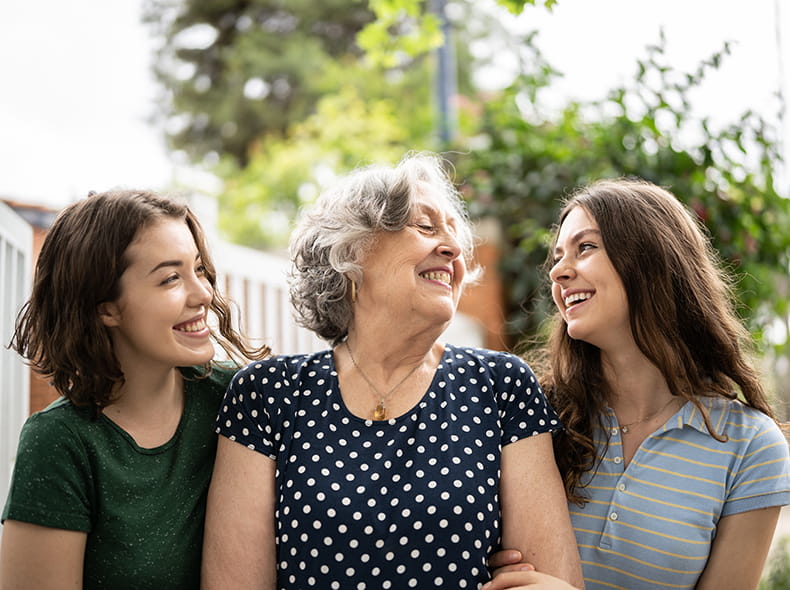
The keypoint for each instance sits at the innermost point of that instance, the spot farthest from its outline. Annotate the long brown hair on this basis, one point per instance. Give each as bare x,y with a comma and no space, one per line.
80,265
682,316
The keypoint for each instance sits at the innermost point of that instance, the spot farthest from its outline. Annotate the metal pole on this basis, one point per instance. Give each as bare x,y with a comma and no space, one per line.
784,123
446,83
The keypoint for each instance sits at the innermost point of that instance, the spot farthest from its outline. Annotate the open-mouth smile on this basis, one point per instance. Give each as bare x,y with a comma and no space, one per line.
197,325
577,298
438,276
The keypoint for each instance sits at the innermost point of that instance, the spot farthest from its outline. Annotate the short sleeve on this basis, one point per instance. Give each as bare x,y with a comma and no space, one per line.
524,410
248,409
52,484
763,476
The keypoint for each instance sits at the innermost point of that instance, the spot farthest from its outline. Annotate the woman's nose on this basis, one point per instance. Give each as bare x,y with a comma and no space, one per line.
449,245
201,291
561,271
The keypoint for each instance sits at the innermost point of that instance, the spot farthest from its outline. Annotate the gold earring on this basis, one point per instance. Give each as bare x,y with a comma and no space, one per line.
353,291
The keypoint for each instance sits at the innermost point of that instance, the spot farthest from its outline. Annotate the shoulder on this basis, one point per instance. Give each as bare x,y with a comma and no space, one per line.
498,362
218,375
285,367
745,427
737,418
760,456
60,413
61,425
485,356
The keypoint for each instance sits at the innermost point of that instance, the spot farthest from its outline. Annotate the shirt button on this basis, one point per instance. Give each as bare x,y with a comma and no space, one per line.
613,516
621,487
618,460
615,431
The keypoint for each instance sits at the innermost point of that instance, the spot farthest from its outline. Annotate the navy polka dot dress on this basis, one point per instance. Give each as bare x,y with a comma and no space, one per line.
410,502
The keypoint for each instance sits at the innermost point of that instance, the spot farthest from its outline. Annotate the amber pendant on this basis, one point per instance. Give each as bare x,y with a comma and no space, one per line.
380,413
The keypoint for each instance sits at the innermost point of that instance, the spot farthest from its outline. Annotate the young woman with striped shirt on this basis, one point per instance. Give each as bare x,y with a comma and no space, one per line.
673,463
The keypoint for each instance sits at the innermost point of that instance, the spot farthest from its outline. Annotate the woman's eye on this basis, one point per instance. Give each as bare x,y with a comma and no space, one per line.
425,227
586,246
200,269
170,279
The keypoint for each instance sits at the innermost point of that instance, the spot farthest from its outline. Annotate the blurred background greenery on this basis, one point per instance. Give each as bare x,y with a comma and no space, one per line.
278,98
267,101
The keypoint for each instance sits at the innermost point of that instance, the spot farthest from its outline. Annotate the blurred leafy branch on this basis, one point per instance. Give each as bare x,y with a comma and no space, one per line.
412,27
644,129
277,98
777,576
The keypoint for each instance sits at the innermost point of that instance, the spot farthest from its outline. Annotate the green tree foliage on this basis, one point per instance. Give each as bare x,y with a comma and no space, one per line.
778,575
370,117
530,159
234,70
282,97
412,27
346,131
273,151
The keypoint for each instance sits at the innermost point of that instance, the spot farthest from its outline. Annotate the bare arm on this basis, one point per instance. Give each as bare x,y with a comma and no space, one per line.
528,580
739,550
535,517
34,557
239,547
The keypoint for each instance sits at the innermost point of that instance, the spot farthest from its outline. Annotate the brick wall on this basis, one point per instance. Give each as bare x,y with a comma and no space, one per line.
484,301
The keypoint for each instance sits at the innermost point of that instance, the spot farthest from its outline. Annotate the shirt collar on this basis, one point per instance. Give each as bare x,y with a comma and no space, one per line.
690,415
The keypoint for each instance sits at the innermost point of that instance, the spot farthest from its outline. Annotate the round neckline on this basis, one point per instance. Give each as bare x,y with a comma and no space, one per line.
421,403
187,379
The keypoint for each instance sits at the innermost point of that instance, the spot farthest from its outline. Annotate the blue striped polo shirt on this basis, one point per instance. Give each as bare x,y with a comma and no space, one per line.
650,525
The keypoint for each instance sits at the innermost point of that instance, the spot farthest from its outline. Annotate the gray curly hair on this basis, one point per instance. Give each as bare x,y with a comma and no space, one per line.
332,236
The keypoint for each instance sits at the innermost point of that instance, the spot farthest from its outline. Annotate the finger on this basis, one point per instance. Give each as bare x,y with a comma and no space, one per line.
504,557
516,567
512,580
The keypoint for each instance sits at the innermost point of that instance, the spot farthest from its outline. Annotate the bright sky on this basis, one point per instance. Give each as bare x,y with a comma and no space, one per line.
77,89
76,93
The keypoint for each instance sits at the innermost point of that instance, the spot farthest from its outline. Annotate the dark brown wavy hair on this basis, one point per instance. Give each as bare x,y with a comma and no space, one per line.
79,267
682,315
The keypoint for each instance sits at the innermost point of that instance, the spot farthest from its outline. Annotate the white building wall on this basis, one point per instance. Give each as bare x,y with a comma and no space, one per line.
16,245
256,281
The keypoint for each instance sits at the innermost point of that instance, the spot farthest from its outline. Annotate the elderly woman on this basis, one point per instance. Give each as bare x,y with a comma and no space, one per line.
391,460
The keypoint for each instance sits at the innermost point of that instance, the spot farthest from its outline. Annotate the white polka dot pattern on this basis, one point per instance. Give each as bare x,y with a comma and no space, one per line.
409,502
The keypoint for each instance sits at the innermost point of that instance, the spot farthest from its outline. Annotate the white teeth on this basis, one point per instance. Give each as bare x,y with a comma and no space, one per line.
440,276
193,327
576,297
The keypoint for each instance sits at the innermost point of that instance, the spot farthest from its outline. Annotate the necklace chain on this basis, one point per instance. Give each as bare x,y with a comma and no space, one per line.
380,412
624,428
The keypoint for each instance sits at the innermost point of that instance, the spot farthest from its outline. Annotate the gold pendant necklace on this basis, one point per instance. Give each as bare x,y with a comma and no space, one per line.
380,411
626,427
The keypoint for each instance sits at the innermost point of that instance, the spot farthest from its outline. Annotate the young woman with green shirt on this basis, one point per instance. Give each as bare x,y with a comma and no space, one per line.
110,481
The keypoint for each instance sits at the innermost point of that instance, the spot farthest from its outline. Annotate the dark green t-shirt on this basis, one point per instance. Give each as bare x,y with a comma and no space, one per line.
143,509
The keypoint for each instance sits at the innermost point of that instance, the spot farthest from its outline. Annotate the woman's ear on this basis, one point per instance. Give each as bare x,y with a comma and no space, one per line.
109,314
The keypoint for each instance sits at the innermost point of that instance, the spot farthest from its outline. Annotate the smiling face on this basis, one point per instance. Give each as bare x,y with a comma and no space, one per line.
585,286
159,320
417,272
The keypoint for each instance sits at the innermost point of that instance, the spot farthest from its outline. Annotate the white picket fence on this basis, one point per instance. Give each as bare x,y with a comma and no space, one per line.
16,245
256,282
